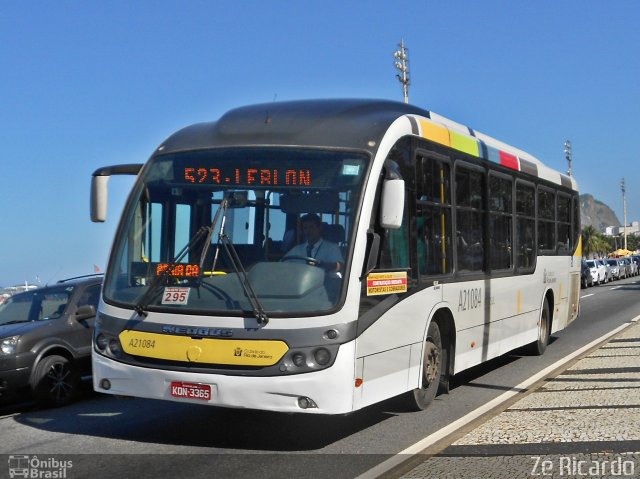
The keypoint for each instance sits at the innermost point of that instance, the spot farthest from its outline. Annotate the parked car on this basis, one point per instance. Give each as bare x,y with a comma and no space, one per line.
626,263
585,275
45,340
633,264
598,272
617,270
636,259
607,269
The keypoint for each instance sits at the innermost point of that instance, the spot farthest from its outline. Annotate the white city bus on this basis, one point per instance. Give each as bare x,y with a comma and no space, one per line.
456,248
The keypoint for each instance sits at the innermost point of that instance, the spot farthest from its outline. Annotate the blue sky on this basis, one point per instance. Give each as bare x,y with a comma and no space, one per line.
85,84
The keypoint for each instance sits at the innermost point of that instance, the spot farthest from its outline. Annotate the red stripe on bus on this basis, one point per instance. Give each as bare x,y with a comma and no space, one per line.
508,160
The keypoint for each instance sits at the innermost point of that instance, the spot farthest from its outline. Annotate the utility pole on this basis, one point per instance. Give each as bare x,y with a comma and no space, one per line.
402,64
624,209
567,154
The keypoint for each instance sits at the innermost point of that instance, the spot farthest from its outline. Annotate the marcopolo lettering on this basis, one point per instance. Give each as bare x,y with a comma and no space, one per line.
196,331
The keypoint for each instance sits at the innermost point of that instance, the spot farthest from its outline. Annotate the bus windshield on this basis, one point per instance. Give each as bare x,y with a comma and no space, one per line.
204,231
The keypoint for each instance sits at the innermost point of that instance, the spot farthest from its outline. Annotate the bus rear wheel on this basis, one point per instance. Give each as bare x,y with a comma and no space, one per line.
538,347
419,399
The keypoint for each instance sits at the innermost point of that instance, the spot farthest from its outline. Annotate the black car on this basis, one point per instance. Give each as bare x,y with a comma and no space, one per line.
45,340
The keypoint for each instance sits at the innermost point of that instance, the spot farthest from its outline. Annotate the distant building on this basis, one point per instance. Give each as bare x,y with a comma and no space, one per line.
632,229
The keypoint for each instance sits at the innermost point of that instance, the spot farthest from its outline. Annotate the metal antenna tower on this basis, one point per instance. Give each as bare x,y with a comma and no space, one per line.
567,155
402,64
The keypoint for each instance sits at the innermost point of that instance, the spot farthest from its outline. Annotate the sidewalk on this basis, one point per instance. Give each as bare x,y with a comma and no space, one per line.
583,423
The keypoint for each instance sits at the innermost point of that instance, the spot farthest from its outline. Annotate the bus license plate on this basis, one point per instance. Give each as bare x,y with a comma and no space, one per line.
190,391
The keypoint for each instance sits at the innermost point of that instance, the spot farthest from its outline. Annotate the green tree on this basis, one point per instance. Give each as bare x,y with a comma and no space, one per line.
633,242
591,241
602,247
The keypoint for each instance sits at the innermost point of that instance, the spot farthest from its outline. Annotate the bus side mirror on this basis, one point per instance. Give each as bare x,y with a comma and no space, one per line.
392,204
99,190
99,197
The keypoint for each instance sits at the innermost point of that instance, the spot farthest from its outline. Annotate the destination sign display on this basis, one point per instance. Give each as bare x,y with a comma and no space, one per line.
261,168
178,270
248,176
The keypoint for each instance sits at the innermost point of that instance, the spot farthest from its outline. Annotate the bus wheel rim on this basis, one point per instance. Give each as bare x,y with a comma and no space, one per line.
431,363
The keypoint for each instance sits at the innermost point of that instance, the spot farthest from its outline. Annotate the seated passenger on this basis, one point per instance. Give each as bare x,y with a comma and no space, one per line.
327,254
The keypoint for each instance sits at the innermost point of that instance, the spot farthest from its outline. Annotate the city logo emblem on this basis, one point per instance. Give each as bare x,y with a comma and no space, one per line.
238,352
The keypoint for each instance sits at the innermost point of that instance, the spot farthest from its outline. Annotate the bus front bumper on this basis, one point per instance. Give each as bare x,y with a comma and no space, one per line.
331,390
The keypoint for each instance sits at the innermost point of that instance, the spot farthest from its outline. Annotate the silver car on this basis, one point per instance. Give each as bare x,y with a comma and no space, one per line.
627,266
636,259
634,266
616,271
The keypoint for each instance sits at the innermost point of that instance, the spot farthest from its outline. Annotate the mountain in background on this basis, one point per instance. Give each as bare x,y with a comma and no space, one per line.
595,213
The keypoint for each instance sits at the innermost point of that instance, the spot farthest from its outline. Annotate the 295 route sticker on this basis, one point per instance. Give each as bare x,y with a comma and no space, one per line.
175,295
386,283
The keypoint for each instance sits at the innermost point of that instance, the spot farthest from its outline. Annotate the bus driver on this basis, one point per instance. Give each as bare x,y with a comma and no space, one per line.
327,254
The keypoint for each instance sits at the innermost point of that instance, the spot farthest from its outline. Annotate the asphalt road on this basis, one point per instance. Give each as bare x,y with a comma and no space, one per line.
104,436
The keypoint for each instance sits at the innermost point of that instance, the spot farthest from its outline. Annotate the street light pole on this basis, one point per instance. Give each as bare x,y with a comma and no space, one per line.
624,209
402,64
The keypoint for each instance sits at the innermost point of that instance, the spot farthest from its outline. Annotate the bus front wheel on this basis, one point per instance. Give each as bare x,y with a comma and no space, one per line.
420,398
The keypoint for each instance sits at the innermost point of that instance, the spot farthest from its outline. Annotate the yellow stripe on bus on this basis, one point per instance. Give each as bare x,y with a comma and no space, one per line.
579,247
236,352
434,132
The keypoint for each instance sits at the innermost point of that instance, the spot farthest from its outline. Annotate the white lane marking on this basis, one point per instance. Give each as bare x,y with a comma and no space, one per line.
587,295
615,287
421,445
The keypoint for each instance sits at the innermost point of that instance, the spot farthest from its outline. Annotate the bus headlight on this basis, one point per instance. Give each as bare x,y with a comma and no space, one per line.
115,348
102,342
311,358
298,359
322,356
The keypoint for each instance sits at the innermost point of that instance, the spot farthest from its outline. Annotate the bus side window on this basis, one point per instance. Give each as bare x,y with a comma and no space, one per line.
470,215
525,225
563,216
394,248
395,245
546,219
433,221
500,222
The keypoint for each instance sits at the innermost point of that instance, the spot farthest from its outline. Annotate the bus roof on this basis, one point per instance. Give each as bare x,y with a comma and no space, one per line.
353,124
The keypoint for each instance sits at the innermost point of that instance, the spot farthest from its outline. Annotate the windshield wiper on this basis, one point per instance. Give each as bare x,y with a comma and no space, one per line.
236,263
256,305
205,249
16,321
141,307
